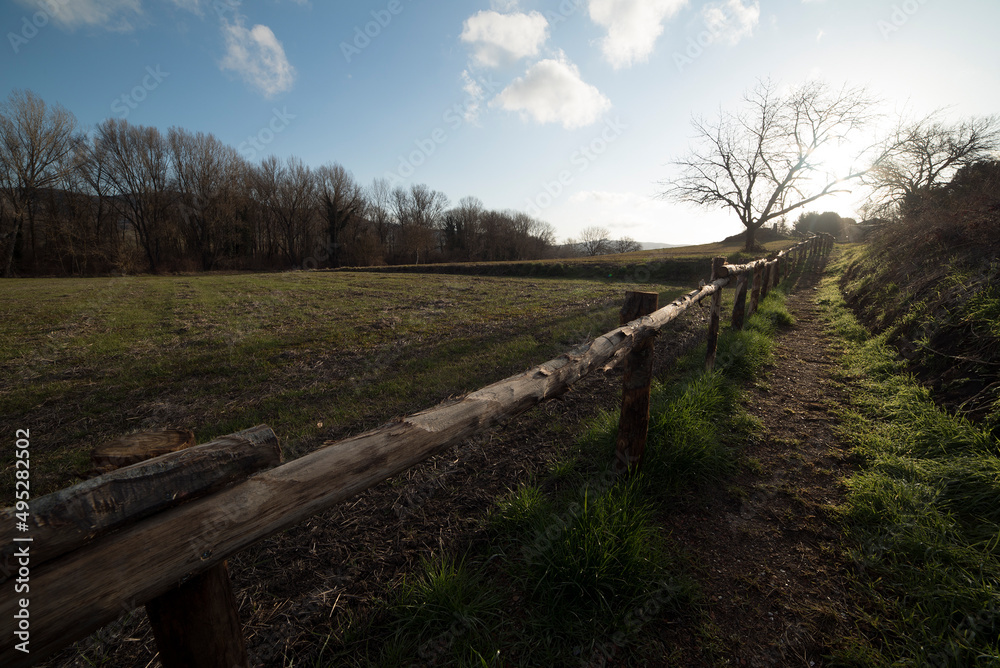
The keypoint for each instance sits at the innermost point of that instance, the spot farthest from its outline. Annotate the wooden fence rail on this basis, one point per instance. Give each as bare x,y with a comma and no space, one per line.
76,590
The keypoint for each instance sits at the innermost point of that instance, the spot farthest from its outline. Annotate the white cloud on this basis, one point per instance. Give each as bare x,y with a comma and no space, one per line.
475,94
552,91
501,39
257,56
117,15
731,21
633,27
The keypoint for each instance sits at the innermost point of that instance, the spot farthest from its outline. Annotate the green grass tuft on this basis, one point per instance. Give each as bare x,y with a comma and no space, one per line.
444,616
519,510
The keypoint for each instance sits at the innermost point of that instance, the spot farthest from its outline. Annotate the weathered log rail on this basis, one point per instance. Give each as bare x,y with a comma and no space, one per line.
171,556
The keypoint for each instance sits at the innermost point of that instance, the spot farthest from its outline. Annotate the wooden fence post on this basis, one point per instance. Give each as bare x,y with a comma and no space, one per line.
197,625
713,324
755,292
740,302
765,280
633,423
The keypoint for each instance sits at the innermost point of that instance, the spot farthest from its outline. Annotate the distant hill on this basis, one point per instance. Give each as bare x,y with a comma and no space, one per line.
652,245
763,235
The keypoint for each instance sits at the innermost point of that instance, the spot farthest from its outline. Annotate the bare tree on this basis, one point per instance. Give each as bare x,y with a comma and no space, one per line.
595,240
294,202
35,142
543,238
94,170
342,202
139,175
760,162
264,180
378,210
203,169
419,212
922,154
625,245
463,229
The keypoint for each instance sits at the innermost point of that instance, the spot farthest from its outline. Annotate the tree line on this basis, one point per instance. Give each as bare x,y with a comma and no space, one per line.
127,198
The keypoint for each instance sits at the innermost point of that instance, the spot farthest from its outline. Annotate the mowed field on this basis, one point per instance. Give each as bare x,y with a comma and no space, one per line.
314,355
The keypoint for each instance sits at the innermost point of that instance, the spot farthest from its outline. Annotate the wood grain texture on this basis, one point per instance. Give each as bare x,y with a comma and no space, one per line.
718,268
740,301
68,519
637,377
135,448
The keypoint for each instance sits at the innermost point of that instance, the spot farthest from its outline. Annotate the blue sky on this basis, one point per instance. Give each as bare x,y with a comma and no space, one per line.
571,110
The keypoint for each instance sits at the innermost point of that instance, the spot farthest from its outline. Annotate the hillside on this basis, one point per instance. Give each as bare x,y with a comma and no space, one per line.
930,281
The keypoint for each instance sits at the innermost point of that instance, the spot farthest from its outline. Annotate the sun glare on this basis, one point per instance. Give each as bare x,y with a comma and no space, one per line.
838,160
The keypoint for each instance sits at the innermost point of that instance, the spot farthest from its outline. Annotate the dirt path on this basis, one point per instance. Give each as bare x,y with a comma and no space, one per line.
765,550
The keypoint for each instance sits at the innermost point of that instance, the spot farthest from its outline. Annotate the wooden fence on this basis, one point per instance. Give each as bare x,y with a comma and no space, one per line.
158,533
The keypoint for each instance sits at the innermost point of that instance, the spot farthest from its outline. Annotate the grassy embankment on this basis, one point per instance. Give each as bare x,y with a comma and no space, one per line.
575,569
313,355
923,512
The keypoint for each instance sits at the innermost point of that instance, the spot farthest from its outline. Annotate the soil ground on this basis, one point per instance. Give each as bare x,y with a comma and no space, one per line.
767,551
763,550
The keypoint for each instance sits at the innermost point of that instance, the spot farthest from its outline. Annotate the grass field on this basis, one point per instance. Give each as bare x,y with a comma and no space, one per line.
314,355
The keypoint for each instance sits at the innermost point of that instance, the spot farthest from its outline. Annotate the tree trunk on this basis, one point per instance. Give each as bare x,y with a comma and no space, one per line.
8,269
